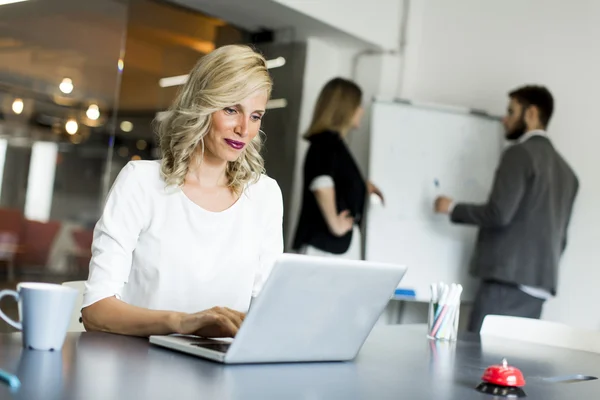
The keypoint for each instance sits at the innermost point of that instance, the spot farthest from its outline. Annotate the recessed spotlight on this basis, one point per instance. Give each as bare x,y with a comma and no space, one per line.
126,126
66,86
71,127
123,151
93,112
17,106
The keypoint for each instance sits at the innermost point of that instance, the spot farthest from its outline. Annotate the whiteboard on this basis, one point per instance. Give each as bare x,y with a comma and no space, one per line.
412,148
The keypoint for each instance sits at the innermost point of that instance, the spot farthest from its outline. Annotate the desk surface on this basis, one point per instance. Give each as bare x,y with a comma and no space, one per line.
395,362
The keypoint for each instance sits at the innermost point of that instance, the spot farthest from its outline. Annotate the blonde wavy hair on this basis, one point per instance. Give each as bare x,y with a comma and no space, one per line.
220,79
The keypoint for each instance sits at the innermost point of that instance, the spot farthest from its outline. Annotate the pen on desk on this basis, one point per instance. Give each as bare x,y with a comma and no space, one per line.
442,300
434,295
12,380
446,312
446,321
454,309
434,299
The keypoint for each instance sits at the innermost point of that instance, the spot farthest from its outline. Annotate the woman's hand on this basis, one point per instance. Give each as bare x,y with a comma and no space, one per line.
372,189
215,322
344,223
338,223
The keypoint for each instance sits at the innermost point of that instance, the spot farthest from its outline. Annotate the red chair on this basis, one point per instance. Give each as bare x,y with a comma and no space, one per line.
11,229
83,253
36,244
11,220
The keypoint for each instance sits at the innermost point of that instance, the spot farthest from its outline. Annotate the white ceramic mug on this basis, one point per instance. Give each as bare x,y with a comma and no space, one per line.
45,311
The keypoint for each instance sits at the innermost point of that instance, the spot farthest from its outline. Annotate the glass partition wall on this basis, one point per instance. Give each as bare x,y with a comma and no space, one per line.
61,64
80,83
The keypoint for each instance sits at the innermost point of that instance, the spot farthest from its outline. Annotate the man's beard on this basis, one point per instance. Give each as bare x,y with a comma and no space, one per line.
518,131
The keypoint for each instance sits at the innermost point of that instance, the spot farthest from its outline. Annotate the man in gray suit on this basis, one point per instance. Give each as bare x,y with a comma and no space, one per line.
523,225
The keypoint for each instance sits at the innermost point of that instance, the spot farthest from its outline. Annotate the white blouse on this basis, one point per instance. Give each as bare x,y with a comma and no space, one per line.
155,248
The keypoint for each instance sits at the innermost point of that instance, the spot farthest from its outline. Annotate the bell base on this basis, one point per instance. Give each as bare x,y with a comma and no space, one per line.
500,391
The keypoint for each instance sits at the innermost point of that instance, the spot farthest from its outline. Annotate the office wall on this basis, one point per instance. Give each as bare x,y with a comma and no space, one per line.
466,53
374,21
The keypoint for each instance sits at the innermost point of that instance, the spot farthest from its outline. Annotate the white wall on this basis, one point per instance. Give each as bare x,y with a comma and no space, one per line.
465,54
375,21
461,52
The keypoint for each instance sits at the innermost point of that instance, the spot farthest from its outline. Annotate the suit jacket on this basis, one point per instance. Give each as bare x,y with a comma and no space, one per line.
523,226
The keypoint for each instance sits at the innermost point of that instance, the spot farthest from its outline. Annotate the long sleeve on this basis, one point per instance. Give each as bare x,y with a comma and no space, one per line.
569,215
272,235
115,237
509,187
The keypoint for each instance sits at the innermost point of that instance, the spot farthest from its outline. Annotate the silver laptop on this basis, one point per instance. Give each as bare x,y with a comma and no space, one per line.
310,309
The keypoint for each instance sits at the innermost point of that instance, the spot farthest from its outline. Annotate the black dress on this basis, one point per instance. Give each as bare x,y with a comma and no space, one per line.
328,155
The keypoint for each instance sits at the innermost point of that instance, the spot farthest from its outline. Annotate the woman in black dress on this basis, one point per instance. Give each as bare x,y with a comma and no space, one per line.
334,191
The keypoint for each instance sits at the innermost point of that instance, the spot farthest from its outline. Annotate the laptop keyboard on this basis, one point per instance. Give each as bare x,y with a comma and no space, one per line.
220,347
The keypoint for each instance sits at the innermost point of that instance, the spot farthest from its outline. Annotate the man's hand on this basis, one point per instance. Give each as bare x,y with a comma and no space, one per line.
443,204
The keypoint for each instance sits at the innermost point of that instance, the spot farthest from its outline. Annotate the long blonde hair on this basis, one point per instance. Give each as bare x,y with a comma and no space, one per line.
220,79
337,103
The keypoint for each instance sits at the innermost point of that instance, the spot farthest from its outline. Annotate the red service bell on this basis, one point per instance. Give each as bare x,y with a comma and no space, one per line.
503,381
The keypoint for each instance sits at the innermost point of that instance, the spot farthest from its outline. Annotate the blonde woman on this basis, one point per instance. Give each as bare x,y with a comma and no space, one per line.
334,191
184,242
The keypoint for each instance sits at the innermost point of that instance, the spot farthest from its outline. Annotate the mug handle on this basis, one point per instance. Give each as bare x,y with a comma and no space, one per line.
14,294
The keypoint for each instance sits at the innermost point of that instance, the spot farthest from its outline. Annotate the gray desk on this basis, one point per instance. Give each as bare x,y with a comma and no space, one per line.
397,362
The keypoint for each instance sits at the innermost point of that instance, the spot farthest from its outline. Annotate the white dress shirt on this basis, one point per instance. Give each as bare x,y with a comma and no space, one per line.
155,248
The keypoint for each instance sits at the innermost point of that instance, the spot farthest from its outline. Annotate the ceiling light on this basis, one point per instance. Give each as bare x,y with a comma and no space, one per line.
123,151
93,112
182,79
126,126
3,2
173,81
276,103
276,63
17,106
66,86
71,127
120,65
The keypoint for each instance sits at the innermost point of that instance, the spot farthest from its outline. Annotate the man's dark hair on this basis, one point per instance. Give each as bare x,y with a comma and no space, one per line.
537,96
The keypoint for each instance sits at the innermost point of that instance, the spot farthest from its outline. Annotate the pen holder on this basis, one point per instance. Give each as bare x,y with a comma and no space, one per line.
444,313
